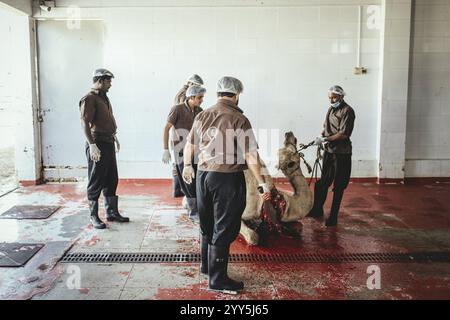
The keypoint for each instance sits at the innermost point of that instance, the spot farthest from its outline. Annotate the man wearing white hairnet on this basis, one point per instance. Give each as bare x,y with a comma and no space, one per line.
226,146
181,118
194,80
99,126
337,158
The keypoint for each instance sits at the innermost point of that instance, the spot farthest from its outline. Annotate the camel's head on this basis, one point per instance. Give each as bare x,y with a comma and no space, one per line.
288,157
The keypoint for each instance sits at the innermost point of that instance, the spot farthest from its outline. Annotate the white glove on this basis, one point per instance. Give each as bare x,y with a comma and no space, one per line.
117,143
94,152
265,191
188,174
166,156
264,187
319,140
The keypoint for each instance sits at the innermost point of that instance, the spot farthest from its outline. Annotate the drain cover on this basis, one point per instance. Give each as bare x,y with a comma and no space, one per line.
255,258
17,254
29,212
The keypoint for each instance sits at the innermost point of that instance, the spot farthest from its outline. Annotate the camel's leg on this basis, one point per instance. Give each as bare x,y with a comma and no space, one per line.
249,234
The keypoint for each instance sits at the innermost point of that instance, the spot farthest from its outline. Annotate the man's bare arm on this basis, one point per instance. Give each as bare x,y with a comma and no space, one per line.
166,135
336,137
87,131
188,153
254,165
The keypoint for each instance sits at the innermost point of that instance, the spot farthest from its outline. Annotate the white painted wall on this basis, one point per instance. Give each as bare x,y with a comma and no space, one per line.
286,56
18,92
66,59
6,111
428,130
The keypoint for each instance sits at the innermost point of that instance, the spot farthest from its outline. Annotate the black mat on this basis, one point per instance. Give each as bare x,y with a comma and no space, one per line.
29,212
17,254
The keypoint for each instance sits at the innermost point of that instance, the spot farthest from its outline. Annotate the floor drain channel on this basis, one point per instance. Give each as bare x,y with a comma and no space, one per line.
383,257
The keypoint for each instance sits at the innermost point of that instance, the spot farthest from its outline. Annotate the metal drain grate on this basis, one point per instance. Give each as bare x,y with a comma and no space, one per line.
130,257
382,257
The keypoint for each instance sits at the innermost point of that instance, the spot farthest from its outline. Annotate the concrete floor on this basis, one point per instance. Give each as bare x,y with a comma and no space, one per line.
374,218
8,179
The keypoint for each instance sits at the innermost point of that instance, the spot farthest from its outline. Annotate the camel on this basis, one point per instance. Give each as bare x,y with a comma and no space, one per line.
298,203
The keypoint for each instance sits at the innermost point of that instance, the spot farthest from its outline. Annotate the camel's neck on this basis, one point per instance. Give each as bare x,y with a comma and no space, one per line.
298,182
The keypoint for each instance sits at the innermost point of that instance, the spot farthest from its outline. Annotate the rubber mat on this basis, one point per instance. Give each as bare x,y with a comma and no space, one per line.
17,254
29,212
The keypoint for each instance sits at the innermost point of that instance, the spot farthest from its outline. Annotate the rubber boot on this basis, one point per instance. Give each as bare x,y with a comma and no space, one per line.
192,208
337,199
320,196
177,192
112,212
95,220
204,243
217,270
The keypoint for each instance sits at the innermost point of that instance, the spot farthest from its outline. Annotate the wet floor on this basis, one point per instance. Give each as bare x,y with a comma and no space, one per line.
374,218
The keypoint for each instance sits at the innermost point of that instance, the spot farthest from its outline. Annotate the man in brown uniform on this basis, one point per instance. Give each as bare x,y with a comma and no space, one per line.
226,146
100,127
337,159
194,80
181,118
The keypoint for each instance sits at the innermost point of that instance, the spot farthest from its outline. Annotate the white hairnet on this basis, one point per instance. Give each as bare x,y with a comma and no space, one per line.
230,85
194,90
102,72
195,79
337,90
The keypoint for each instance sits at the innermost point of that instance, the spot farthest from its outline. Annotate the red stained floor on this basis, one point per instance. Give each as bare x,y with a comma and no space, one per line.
374,218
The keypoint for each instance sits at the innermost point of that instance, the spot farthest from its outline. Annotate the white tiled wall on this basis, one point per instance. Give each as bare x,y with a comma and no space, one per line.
6,112
428,118
286,56
18,125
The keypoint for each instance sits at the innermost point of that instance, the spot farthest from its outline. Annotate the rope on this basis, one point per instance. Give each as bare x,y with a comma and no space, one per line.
316,166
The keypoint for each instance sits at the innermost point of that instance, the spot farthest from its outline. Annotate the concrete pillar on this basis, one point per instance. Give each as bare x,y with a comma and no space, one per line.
393,94
22,88
25,101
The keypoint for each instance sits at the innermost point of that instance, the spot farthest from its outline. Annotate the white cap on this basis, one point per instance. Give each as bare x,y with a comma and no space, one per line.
102,73
230,85
337,90
195,79
194,91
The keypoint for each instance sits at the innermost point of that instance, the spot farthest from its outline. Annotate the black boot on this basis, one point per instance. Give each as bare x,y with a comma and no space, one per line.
337,198
95,220
112,212
204,242
320,196
192,205
177,192
217,270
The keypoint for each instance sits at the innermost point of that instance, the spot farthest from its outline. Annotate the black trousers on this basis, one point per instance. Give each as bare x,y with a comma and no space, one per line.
189,190
221,200
102,174
176,182
336,170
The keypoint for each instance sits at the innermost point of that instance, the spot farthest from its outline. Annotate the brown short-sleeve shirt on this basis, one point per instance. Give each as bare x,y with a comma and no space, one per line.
182,117
341,119
96,108
181,95
222,135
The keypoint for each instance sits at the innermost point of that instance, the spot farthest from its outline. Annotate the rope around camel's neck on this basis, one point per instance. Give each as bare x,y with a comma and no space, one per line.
295,179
